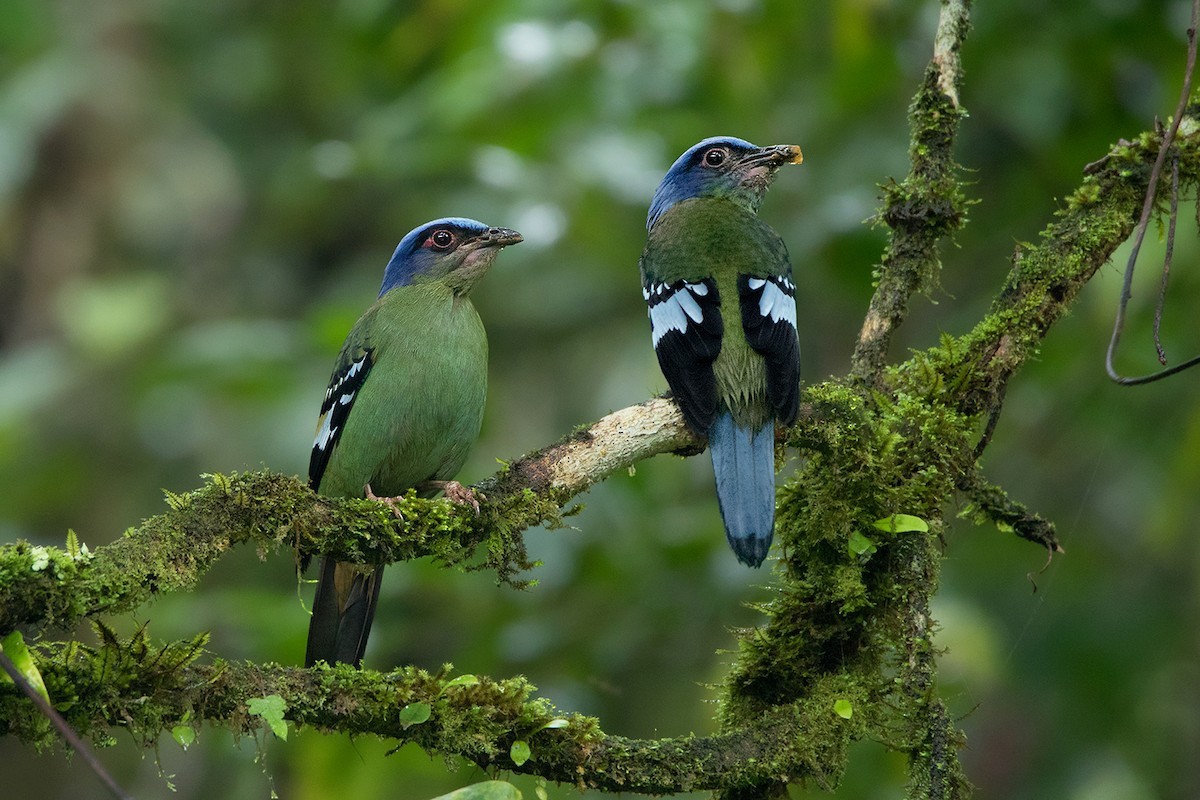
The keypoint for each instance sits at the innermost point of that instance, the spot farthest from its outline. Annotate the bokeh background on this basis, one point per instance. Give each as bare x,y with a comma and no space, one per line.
197,200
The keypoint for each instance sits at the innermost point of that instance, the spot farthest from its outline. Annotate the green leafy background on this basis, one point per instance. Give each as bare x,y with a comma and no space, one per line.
197,200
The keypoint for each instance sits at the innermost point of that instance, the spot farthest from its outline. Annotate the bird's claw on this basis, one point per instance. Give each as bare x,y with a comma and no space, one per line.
391,502
463,495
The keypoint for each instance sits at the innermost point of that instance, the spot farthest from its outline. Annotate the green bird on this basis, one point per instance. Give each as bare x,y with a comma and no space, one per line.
403,407
718,285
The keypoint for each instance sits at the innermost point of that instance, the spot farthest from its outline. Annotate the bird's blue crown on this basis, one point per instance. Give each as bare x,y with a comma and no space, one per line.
688,177
414,256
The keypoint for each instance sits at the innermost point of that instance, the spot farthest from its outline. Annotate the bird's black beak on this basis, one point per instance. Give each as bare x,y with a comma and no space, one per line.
757,169
777,155
499,237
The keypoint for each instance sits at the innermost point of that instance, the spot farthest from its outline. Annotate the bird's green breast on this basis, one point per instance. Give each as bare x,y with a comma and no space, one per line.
706,237
421,405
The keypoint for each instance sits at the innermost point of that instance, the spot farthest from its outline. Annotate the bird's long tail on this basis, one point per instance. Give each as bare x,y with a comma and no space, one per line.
343,610
744,464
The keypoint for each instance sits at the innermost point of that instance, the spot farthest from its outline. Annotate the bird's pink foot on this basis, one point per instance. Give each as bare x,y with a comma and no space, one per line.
391,502
456,493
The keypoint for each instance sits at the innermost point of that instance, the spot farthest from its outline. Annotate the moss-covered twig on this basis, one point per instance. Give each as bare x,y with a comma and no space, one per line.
992,503
927,205
145,690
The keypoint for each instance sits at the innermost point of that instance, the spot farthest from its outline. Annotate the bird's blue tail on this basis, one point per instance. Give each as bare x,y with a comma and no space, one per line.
744,465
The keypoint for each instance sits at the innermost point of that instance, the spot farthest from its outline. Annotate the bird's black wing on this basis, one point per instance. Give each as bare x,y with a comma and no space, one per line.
348,377
344,604
686,328
768,305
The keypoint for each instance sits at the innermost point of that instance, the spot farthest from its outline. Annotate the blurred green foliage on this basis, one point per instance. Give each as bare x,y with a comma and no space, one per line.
197,200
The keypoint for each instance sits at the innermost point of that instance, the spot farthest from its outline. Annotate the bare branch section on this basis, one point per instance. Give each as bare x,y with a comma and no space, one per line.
927,206
616,442
172,551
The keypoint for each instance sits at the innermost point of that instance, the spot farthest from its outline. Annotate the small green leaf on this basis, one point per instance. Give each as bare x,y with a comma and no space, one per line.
271,709
414,714
488,790
13,646
519,752
461,680
184,734
41,558
902,523
860,545
843,708
557,722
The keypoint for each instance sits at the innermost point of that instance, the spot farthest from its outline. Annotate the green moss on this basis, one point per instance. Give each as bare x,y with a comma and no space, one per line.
1086,195
171,551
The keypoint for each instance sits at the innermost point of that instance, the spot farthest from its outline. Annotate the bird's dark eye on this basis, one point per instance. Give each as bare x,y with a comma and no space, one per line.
441,239
715,156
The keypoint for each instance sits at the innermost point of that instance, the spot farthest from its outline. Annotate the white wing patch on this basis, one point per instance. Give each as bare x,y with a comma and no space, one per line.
340,393
670,307
325,433
778,298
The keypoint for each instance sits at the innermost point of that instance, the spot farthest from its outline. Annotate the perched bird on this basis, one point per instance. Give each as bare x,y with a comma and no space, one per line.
403,407
722,310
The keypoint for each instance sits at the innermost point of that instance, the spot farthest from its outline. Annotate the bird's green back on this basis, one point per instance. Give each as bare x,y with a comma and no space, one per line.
703,237
421,405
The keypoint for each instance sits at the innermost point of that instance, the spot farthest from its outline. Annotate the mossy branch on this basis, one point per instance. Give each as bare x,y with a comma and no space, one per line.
42,586
145,690
927,205
989,502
